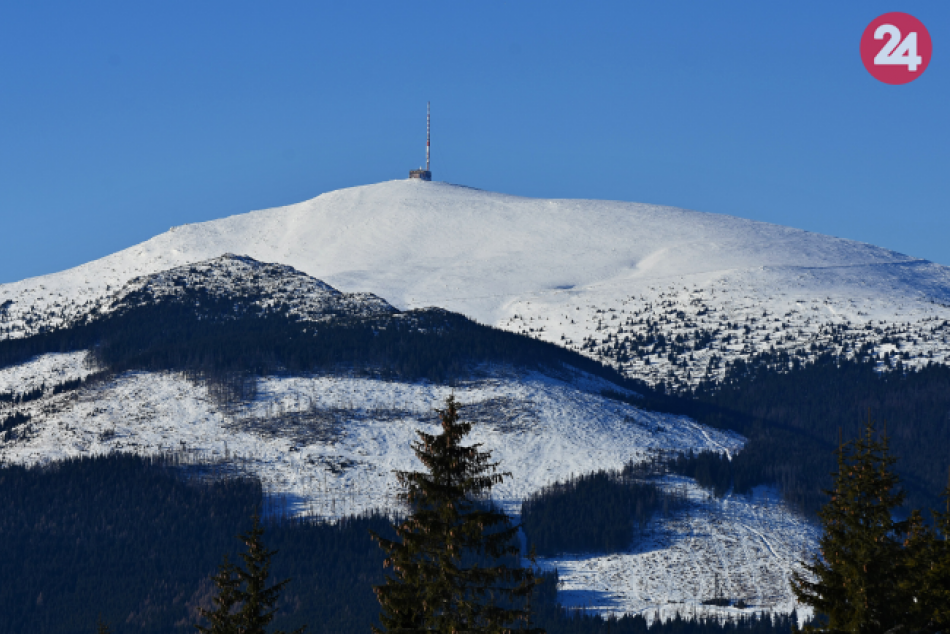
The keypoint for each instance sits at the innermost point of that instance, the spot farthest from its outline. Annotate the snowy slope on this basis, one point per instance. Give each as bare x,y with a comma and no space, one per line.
328,445
750,544
553,269
589,275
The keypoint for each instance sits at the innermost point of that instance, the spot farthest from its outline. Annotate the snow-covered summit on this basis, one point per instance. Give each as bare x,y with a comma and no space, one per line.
589,275
551,268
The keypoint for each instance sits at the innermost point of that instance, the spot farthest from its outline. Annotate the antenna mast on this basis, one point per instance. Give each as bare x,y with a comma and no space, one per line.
424,174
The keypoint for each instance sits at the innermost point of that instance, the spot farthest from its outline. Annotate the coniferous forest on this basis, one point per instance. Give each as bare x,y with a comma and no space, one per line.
791,412
429,344
597,512
138,540
794,416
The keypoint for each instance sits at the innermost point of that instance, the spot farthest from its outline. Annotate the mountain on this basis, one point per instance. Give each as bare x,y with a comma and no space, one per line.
152,371
606,278
308,360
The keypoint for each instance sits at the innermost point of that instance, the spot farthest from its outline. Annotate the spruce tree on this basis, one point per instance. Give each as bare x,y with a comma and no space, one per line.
916,578
258,602
223,618
928,570
938,592
857,579
245,604
455,560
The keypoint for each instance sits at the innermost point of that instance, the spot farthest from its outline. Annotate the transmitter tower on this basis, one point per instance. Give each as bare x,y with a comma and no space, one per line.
424,174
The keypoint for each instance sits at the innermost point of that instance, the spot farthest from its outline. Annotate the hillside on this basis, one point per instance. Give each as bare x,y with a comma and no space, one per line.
666,293
320,406
308,361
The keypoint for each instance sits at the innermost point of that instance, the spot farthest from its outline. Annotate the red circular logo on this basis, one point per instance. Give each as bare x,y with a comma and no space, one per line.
896,48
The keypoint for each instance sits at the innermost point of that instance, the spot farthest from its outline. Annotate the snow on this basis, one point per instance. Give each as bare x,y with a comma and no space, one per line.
328,446
245,280
750,544
47,369
584,274
506,260
541,428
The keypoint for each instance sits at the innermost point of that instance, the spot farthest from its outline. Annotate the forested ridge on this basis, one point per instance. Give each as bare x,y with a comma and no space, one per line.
794,414
218,340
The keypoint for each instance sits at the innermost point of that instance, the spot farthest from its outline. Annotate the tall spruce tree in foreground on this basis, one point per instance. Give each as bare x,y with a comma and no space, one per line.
449,557
858,578
244,603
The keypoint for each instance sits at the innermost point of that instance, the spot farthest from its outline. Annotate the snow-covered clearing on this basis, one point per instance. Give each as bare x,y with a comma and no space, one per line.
331,443
48,369
328,445
748,544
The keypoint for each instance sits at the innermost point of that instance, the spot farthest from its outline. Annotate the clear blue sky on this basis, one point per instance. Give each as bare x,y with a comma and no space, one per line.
118,120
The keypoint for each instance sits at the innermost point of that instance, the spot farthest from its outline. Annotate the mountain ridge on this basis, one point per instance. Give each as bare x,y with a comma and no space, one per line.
509,261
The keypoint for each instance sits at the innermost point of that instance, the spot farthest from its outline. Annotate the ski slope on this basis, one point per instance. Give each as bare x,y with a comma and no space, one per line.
743,547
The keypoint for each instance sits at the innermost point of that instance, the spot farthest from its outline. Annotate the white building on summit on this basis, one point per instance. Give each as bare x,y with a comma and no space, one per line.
424,174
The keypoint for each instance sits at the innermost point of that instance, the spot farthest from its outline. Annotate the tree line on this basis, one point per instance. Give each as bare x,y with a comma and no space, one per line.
792,413
431,344
598,512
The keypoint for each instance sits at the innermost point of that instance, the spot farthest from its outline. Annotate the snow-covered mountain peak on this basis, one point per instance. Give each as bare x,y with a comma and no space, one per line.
662,293
474,251
581,273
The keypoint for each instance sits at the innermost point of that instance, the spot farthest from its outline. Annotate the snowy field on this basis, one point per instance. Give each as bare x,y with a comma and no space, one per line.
328,446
